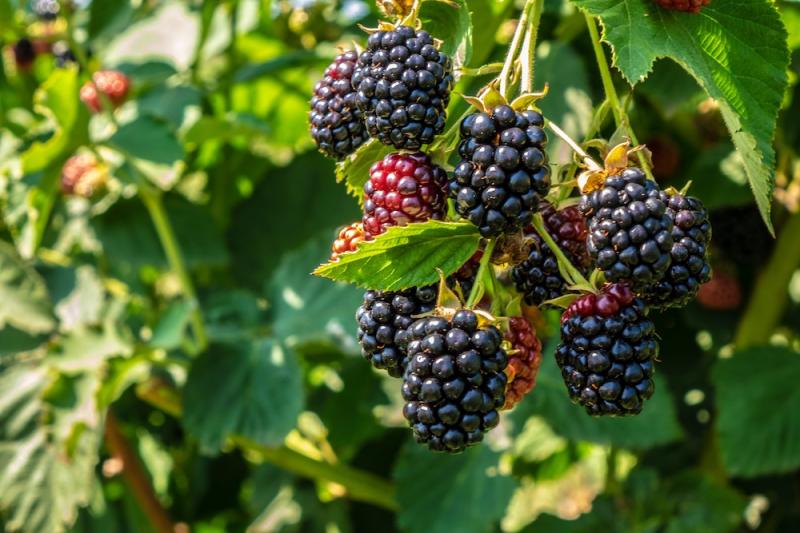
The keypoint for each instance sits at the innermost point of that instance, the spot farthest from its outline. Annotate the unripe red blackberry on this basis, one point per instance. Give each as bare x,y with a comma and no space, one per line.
348,240
688,6
113,84
722,293
630,232
607,351
383,319
524,360
82,175
455,381
336,124
403,188
503,172
689,269
568,228
403,85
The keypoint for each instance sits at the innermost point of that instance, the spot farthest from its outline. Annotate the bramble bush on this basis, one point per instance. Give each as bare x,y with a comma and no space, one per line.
414,265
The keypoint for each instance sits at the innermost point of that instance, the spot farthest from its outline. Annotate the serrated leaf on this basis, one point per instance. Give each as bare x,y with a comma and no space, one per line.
406,256
757,388
735,49
656,425
260,396
444,493
354,170
24,302
450,22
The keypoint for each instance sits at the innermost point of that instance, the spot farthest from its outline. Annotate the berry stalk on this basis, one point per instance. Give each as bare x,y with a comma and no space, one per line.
568,270
516,42
529,47
477,289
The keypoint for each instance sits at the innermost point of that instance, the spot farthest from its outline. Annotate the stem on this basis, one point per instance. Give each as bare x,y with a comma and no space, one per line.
612,486
529,47
513,49
485,258
570,273
587,159
620,117
769,298
135,476
155,205
360,485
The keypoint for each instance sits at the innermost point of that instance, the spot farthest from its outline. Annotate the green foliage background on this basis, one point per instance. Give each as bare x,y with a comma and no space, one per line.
173,321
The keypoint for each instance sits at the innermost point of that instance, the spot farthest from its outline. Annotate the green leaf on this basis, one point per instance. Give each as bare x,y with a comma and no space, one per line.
354,170
306,308
444,493
169,103
79,296
169,331
757,388
148,139
257,392
656,425
406,256
43,479
24,302
450,22
737,52
230,127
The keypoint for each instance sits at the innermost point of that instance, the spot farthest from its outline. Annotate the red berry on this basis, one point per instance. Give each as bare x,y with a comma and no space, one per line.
348,240
113,84
82,176
612,298
722,293
689,6
403,188
524,360
568,228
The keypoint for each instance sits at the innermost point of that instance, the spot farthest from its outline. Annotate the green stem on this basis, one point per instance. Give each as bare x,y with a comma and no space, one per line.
513,50
474,294
155,206
529,46
360,485
612,485
571,274
620,117
768,301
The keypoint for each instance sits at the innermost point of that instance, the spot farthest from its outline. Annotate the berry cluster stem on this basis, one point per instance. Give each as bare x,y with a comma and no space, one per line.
477,289
529,46
513,50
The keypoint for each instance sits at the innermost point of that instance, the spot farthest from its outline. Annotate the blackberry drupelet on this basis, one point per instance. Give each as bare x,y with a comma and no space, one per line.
608,347
537,278
524,360
383,320
691,235
688,6
403,85
503,172
348,240
335,120
403,188
630,232
455,381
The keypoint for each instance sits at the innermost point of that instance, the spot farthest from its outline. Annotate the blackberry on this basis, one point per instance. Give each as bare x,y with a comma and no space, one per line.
688,6
403,188
569,230
24,53
113,84
82,175
503,172
722,293
607,350
336,124
63,55
524,360
537,278
383,320
691,235
348,240
454,382
403,85
630,232
46,10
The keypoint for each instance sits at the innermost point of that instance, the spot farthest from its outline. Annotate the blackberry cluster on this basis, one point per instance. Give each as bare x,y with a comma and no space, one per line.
403,188
503,172
63,55
607,350
111,83
336,124
688,6
524,360
455,381
537,278
24,53
348,240
689,269
630,232
383,320
46,10
569,230
403,85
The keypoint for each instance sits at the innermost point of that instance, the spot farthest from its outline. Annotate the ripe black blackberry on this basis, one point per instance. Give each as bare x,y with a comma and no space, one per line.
691,235
537,278
630,232
403,85
503,173
24,53
336,124
607,350
383,320
455,381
